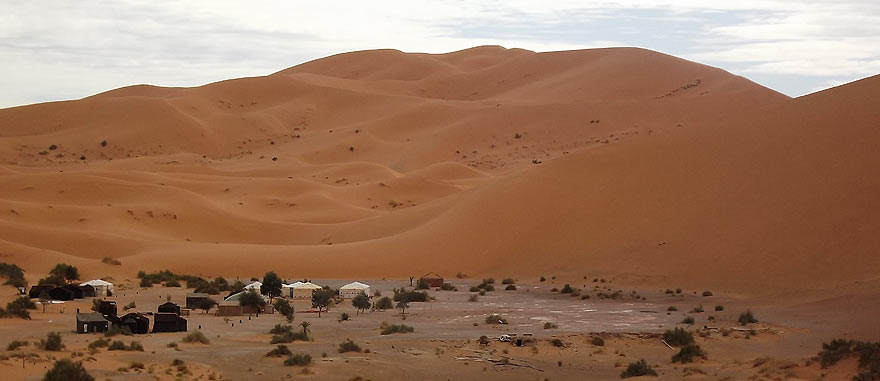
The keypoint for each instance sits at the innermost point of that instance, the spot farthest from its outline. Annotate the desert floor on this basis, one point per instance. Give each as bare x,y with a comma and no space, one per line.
445,344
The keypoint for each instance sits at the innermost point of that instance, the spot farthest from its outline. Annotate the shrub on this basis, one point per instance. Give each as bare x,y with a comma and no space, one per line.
349,346
697,309
585,297
14,275
510,287
289,337
172,344
543,279
669,291
384,303
136,365
117,330
172,283
196,337
100,343
344,316
495,319
116,346
67,370
719,308
508,281
473,298
279,351
567,289
422,284
597,341
554,289
409,296
52,342
281,329
688,352
672,308
15,344
707,293
489,280
678,290
135,346
111,261
688,320
638,368
397,328
298,360
678,337
550,325
129,306
251,298
747,318
556,342
447,287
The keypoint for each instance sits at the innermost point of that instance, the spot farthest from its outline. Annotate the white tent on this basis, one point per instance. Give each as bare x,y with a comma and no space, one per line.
287,289
304,290
256,286
353,289
102,287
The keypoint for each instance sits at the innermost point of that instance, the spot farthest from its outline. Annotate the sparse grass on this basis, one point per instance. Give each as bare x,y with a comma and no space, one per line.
15,344
707,293
697,309
111,261
747,318
672,308
349,346
397,328
196,337
638,368
495,319
100,343
688,320
868,353
298,360
688,353
289,337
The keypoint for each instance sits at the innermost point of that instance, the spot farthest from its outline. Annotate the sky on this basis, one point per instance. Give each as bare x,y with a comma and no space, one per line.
61,49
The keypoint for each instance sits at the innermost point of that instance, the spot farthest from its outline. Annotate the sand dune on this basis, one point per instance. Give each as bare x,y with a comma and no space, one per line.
622,162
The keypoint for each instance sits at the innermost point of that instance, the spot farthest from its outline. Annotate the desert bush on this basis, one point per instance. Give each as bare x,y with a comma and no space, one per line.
349,346
697,309
567,289
14,275
344,317
489,280
585,297
510,287
173,344
422,284
508,281
473,298
672,308
289,337
99,343
448,287
67,370
52,342
554,289
111,261
688,353
172,283
678,337
298,360
495,319
251,298
669,291
556,342
719,308
15,344
542,279
196,337
281,329
384,303
136,365
117,330
135,346
867,352
409,296
678,290
688,320
116,346
397,328
550,325
279,351
597,341
747,318
707,293
129,306
638,368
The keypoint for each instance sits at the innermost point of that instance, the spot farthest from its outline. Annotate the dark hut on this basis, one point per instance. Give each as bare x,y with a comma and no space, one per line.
168,322
136,323
91,322
169,307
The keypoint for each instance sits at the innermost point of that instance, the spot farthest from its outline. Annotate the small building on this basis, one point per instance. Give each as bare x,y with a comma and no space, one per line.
169,307
107,307
91,322
60,293
77,291
88,291
432,280
168,322
228,309
136,323
194,300
304,290
102,287
353,289
35,291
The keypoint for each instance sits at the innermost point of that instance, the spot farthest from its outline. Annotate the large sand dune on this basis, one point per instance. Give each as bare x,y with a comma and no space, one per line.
621,162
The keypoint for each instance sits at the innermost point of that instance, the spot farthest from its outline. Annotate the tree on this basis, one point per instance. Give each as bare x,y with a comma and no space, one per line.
251,298
305,326
285,308
44,299
61,274
67,370
361,302
236,287
206,304
403,305
271,285
321,300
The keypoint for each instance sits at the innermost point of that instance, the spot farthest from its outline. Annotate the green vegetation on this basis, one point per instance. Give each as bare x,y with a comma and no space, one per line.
556,342
678,337
638,368
495,319
396,328
298,360
117,330
279,351
321,300
567,289
14,275
286,334
867,352
719,308
349,346
542,279
697,309
19,308
285,308
15,344
510,287
747,318
550,325
129,306
597,341
271,285
688,353
362,302
67,370
100,343
52,342
409,296
672,308
707,293
688,320
384,303
508,281
172,283
422,284
61,274
251,298
448,287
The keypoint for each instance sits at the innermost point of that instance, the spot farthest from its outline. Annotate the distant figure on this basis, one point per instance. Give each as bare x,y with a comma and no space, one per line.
411,281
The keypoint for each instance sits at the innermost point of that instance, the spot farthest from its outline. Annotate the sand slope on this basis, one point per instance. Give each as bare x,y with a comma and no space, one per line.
621,161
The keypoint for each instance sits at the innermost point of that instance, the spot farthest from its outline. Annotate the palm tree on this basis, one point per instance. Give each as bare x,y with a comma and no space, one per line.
305,325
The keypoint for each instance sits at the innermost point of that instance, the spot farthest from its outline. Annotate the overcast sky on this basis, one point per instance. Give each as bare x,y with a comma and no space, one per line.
55,50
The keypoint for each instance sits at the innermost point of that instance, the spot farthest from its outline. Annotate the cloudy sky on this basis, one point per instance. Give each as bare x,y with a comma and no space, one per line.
54,50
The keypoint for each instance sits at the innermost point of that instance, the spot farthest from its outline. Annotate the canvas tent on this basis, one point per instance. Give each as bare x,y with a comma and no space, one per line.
353,289
102,288
304,290
255,285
